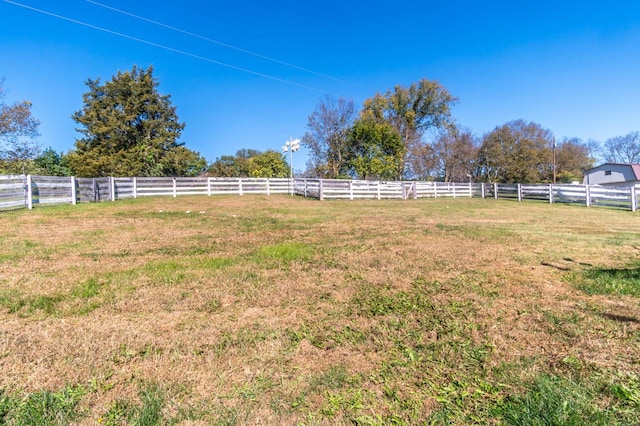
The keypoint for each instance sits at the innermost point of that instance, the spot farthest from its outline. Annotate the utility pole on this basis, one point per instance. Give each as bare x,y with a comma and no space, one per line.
554,160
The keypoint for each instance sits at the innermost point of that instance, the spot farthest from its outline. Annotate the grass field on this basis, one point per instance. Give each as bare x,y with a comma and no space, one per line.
282,310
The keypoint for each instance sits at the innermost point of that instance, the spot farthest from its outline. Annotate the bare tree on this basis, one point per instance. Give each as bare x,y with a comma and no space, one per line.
18,130
327,136
456,153
622,149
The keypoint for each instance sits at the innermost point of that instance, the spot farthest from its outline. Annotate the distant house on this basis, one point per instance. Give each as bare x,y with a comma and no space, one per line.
613,174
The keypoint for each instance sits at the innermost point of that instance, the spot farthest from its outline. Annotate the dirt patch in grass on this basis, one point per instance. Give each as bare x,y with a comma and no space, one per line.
290,310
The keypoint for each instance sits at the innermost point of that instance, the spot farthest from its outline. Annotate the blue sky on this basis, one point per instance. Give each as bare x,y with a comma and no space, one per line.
246,74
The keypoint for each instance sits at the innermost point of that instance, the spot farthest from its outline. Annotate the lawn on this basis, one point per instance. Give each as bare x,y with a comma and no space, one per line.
283,310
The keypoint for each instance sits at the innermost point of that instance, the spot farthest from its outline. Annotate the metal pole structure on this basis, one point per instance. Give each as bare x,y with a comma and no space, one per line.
554,160
291,146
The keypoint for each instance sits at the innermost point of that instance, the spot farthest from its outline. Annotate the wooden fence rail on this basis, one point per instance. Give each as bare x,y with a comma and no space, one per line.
26,191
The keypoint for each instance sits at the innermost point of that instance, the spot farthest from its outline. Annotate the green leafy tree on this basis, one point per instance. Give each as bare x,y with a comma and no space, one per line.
326,138
50,163
516,152
18,131
233,165
129,129
412,111
250,163
224,166
182,161
269,164
376,150
573,158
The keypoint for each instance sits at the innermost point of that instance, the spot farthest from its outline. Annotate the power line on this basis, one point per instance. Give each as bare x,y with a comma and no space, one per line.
160,46
210,40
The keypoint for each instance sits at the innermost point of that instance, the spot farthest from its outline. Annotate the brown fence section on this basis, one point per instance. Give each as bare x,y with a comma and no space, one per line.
26,191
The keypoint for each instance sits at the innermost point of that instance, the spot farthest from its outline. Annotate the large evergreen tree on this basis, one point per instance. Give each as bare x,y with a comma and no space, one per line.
129,129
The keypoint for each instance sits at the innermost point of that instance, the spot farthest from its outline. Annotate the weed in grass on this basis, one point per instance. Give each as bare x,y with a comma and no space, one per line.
165,273
123,354
285,252
212,306
147,413
119,412
626,390
552,400
348,402
150,412
565,325
42,407
374,301
333,378
215,263
11,300
86,290
28,305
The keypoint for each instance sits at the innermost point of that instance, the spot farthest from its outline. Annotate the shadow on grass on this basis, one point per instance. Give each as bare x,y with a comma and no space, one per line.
620,318
609,281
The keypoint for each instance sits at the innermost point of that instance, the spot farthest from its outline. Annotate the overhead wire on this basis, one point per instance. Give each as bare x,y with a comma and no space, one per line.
210,40
161,46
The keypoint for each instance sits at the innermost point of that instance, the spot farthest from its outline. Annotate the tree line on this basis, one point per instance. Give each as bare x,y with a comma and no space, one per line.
128,128
409,133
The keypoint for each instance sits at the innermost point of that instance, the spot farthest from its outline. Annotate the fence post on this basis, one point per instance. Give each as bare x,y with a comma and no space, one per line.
240,187
175,188
415,190
208,186
29,192
135,187
495,191
112,188
350,189
320,188
483,192
634,201
588,196
519,193
74,194
551,194
435,189
268,187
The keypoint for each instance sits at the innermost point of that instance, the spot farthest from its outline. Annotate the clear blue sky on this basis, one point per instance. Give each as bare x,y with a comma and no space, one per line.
571,66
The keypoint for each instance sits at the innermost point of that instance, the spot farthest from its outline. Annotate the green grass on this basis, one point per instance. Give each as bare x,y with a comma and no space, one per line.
552,400
624,280
42,407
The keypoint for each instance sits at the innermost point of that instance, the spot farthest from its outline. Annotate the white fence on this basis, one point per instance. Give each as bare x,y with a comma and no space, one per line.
27,191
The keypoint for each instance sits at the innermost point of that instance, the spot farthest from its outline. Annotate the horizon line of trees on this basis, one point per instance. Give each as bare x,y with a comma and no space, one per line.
408,133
